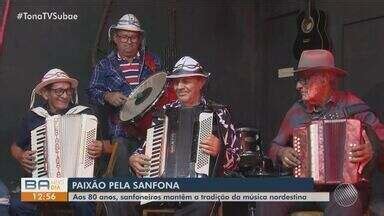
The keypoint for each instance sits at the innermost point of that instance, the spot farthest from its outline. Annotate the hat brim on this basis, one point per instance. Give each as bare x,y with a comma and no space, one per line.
175,76
127,28
74,83
310,70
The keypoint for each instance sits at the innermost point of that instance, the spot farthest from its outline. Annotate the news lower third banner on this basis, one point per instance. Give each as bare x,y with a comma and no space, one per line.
170,190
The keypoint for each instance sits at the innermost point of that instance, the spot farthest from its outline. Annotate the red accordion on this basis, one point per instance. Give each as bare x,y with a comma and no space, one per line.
324,147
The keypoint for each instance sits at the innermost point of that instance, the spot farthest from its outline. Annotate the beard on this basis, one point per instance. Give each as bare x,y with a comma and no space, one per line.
316,94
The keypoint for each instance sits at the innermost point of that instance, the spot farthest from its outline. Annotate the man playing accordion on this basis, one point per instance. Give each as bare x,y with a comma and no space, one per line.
188,79
321,101
59,92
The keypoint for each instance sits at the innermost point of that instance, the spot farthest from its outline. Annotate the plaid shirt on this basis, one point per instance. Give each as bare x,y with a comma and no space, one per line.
108,77
299,115
228,136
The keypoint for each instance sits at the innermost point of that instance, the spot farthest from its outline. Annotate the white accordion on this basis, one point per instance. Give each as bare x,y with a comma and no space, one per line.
61,146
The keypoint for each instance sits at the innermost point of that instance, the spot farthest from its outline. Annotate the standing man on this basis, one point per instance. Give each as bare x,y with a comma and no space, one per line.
115,77
59,92
321,100
188,80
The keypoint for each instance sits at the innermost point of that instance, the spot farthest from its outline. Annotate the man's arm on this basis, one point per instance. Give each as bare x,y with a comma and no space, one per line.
369,119
231,143
97,85
279,150
26,158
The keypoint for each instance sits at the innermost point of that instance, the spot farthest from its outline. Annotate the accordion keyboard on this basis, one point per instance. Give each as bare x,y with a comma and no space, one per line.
205,129
154,150
38,137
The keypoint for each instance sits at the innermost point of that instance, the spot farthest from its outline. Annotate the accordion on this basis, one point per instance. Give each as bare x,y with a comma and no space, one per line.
173,144
61,146
324,148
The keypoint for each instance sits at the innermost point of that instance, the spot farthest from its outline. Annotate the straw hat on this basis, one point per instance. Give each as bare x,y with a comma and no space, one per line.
53,76
187,67
127,22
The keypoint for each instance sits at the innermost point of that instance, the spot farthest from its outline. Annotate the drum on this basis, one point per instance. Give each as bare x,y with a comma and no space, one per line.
249,139
253,163
143,97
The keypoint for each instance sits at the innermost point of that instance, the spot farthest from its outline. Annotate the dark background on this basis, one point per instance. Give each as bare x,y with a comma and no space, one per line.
241,42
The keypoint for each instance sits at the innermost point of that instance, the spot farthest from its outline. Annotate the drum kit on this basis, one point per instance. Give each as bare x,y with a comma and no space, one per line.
253,162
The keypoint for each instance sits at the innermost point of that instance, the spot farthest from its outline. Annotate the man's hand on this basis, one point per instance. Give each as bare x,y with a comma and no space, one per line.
95,149
362,153
115,98
211,145
289,157
140,164
27,160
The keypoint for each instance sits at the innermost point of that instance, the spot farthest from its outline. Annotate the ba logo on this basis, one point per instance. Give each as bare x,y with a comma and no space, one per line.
32,184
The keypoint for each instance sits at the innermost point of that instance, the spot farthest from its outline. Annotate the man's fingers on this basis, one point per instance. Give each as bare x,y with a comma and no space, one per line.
122,97
285,164
30,153
358,159
140,169
288,163
142,160
293,157
28,167
291,162
28,161
206,146
366,138
28,170
359,153
210,152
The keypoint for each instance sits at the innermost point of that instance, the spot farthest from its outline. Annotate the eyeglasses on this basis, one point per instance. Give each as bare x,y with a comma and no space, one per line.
59,91
126,38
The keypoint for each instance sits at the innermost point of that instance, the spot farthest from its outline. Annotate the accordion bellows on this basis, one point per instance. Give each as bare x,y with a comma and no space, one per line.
324,151
61,146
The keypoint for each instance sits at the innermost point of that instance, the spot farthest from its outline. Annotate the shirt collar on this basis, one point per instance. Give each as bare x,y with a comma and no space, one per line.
120,58
203,102
46,107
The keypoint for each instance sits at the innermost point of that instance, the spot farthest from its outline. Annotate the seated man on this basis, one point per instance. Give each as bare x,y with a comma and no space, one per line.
188,80
321,100
60,95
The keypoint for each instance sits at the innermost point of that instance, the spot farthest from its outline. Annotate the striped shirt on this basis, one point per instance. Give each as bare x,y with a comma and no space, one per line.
131,71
